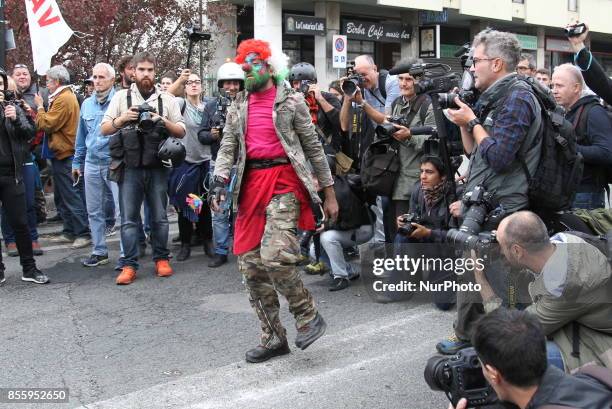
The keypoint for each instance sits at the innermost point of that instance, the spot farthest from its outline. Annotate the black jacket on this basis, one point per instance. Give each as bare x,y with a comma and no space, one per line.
209,120
594,142
579,391
19,132
595,77
329,122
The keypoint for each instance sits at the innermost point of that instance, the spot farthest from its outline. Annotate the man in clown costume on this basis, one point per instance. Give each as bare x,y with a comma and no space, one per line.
270,136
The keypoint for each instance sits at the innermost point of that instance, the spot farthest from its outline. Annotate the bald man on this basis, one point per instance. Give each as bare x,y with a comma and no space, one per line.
571,291
593,131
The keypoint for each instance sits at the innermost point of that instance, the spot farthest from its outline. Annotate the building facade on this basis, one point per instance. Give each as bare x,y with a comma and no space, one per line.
431,29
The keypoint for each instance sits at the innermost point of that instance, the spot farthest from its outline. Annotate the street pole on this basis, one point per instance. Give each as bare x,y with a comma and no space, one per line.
2,37
201,29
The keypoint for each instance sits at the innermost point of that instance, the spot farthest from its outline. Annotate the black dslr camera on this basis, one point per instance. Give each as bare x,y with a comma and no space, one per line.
349,86
467,92
145,119
305,86
223,102
483,211
460,376
386,129
408,218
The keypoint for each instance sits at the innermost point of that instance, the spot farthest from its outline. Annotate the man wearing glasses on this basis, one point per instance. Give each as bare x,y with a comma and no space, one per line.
507,127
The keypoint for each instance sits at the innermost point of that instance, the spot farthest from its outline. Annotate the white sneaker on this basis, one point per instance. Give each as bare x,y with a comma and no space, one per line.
81,242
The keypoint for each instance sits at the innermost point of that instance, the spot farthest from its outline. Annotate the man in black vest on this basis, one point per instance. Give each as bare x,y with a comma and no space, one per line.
146,179
506,128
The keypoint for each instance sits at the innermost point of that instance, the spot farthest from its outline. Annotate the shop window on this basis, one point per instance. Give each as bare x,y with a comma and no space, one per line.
572,5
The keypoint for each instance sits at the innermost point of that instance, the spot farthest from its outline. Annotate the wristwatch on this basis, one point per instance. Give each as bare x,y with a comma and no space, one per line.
472,124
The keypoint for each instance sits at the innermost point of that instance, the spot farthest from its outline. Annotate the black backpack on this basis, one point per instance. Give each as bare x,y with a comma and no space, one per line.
580,127
553,185
353,211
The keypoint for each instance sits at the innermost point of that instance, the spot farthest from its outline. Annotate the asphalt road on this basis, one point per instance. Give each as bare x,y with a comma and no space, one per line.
179,342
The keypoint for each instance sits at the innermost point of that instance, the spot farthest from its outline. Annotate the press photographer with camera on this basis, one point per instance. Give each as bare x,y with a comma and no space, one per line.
324,107
594,75
230,81
510,354
571,291
141,113
16,131
429,218
502,143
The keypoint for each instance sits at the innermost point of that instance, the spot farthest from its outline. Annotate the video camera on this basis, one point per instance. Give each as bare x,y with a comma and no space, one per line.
194,35
483,211
575,30
460,376
408,218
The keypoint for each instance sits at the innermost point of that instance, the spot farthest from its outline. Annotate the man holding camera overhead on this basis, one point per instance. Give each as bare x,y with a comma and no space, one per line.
143,176
506,128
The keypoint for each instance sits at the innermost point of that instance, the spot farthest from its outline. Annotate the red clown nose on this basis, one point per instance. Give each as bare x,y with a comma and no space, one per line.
246,67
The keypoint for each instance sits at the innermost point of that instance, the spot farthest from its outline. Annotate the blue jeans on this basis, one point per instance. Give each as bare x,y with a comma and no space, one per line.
221,225
111,209
150,185
72,208
96,184
30,173
334,241
553,355
590,200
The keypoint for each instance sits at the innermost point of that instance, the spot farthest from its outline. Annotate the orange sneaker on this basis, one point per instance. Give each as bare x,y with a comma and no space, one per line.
127,276
163,269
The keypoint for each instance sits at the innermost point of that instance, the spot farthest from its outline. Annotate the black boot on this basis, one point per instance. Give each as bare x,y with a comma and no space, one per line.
184,253
310,332
218,260
261,353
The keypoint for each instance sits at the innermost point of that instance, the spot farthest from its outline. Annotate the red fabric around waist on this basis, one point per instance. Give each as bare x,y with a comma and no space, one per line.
258,188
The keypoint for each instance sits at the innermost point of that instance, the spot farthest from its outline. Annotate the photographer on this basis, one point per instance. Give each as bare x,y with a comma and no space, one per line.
571,291
143,176
230,80
500,142
593,130
429,202
594,75
512,348
16,131
324,107
414,110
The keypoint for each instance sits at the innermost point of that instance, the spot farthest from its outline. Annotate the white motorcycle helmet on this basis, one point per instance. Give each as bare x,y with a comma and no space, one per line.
230,71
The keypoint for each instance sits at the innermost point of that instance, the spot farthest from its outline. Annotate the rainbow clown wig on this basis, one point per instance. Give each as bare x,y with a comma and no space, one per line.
277,60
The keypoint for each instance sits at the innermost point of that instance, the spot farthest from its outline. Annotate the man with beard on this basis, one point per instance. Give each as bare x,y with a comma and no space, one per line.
570,292
272,144
125,68
144,177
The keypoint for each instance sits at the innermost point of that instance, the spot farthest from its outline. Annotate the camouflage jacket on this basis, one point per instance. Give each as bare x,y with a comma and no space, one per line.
295,131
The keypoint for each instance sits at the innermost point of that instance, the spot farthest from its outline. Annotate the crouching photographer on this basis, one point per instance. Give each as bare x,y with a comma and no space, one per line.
143,119
429,219
508,365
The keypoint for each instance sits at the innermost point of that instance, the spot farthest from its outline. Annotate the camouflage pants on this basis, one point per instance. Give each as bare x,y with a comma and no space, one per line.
272,267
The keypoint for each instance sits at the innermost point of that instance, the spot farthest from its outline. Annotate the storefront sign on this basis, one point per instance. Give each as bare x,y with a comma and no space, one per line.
558,44
308,25
339,51
433,17
364,30
528,42
429,42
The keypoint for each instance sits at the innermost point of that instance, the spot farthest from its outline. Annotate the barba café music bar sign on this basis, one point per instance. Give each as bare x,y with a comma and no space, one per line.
366,30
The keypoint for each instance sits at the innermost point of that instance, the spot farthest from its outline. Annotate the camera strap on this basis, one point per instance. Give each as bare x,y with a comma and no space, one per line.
160,103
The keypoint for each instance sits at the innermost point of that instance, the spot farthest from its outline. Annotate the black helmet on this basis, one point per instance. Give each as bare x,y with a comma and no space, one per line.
171,152
302,71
